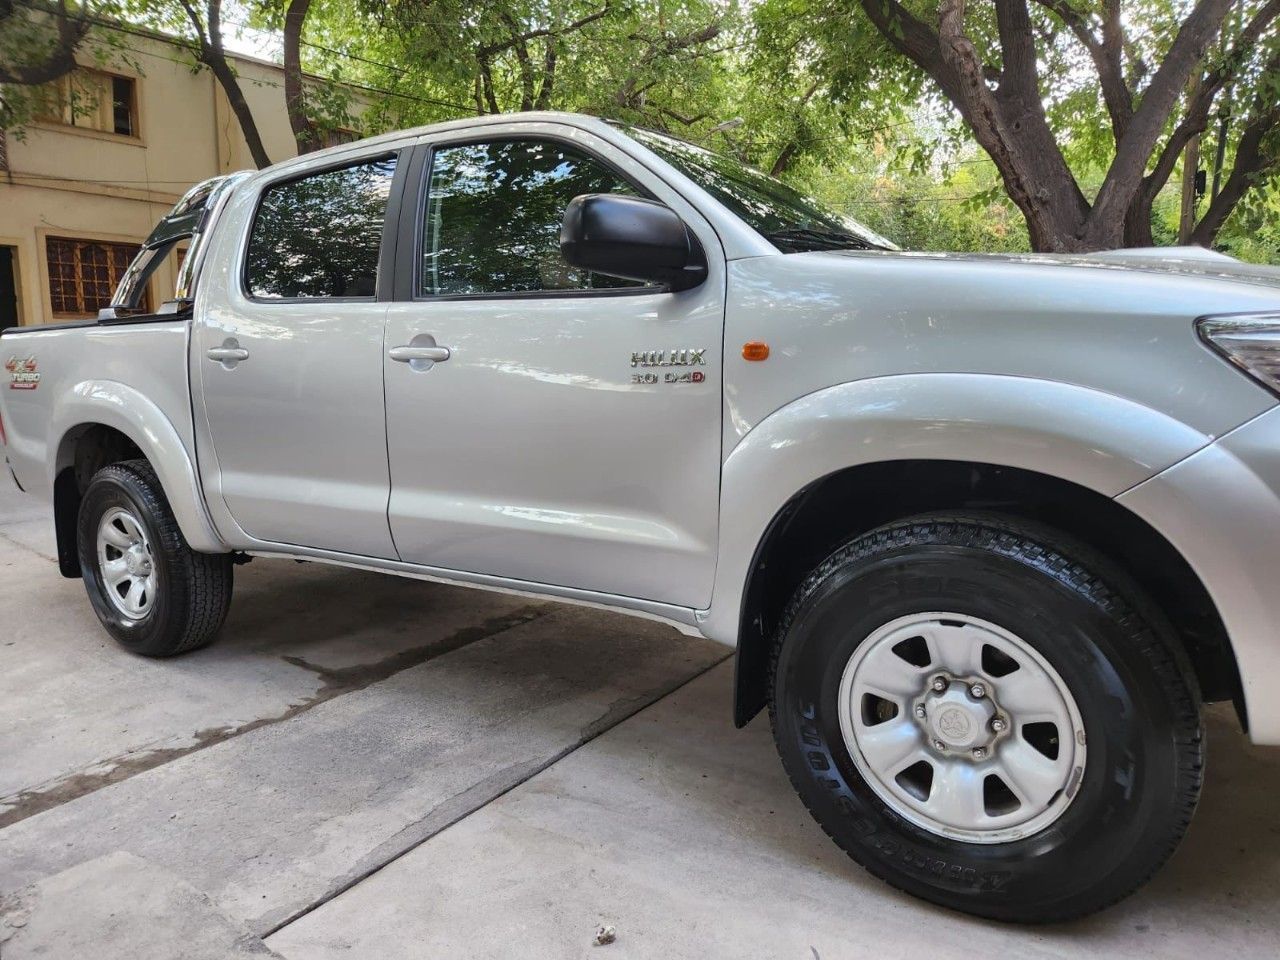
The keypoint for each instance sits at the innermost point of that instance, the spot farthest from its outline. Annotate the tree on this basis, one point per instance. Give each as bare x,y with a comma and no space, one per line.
1035,80
206,24
650,60
38,44
305,132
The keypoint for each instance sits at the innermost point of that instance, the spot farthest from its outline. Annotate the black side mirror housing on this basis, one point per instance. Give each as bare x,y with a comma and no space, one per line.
631,238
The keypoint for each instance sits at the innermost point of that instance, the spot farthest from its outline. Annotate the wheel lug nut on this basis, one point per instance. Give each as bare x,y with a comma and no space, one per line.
920,712
998,725
939,684
979,753
978,691
939,745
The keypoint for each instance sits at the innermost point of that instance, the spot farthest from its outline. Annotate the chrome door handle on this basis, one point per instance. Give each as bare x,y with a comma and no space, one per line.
410,354
229,354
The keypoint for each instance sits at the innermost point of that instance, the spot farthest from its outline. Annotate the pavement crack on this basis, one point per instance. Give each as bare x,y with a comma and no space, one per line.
334,682
443,815
22,546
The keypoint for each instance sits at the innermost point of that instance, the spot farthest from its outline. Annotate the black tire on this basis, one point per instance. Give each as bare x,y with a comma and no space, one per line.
193,590
1111,647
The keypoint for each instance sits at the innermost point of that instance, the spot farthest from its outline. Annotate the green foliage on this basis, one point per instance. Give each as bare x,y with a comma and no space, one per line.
961,210
808,88
29,39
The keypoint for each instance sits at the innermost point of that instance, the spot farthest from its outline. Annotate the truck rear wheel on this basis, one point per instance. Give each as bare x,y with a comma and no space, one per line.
989,716
152,592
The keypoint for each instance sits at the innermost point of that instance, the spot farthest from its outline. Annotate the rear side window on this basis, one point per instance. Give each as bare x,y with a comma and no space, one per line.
318,237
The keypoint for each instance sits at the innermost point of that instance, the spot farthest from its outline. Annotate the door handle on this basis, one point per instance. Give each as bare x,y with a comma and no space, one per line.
229,354
420,353
409,354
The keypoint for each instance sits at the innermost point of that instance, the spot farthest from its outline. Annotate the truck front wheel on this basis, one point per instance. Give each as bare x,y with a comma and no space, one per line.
988,715
152,592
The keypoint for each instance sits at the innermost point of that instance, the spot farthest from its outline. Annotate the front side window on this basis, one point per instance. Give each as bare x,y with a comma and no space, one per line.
319,237
493,218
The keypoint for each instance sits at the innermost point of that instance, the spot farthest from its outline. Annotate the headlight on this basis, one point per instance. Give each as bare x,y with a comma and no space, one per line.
1249,340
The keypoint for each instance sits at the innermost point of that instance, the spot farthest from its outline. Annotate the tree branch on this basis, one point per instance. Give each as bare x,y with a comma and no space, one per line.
548,76
1196,117
1256,155
210,53
61,60
504,45
304,129
1107,56
1018,76
789,150
627,94
1124,177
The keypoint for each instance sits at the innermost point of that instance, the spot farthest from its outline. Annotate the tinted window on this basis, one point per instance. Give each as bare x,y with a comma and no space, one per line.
493,217
320,236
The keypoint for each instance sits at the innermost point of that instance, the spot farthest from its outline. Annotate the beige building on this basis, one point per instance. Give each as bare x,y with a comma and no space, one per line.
114,150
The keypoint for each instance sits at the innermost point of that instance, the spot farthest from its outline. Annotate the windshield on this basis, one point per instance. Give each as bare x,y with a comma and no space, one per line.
784,216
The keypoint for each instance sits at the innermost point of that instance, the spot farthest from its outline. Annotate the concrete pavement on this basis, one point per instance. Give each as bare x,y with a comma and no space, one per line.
372,767
685,835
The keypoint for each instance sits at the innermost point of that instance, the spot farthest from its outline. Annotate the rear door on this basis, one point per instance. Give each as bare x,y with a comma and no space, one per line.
289,354
549,446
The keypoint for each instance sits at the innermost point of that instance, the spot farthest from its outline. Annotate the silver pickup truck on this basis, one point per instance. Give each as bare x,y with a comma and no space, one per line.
985,531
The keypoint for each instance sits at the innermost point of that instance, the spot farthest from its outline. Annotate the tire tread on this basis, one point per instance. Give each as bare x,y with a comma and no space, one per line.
1076,566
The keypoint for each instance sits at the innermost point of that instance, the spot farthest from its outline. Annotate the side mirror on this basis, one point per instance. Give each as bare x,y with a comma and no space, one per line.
631,238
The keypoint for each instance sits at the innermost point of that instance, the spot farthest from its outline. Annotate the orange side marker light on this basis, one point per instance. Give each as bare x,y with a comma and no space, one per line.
755,350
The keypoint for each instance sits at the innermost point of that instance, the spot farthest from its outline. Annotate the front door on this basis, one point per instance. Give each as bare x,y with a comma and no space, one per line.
289,356
532,433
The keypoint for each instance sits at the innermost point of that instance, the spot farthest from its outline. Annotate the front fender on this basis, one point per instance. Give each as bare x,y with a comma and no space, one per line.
1097,440
121,407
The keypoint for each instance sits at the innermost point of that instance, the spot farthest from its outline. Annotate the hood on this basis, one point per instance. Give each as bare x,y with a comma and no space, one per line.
1177,261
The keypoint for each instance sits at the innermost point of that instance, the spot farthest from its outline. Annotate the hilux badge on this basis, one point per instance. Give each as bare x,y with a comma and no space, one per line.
669,358
22,373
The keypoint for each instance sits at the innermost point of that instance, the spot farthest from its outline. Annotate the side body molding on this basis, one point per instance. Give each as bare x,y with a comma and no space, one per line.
1097,440
124,408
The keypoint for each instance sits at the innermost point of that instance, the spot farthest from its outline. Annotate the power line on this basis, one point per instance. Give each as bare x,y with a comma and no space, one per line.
194,47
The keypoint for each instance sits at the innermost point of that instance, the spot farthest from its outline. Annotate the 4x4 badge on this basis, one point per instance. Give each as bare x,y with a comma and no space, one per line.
22,373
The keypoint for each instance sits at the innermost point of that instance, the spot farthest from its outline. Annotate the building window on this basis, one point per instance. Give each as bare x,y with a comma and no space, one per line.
92,100
83,274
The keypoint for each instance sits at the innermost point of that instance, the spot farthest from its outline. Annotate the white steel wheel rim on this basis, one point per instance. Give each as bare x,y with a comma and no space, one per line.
929,747
125,563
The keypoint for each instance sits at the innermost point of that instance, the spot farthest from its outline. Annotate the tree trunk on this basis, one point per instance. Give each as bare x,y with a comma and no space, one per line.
240,107
56,62
1137,219
304,130
1252,161
209,34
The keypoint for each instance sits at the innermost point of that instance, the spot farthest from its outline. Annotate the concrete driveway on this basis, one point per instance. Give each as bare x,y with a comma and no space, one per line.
366,766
